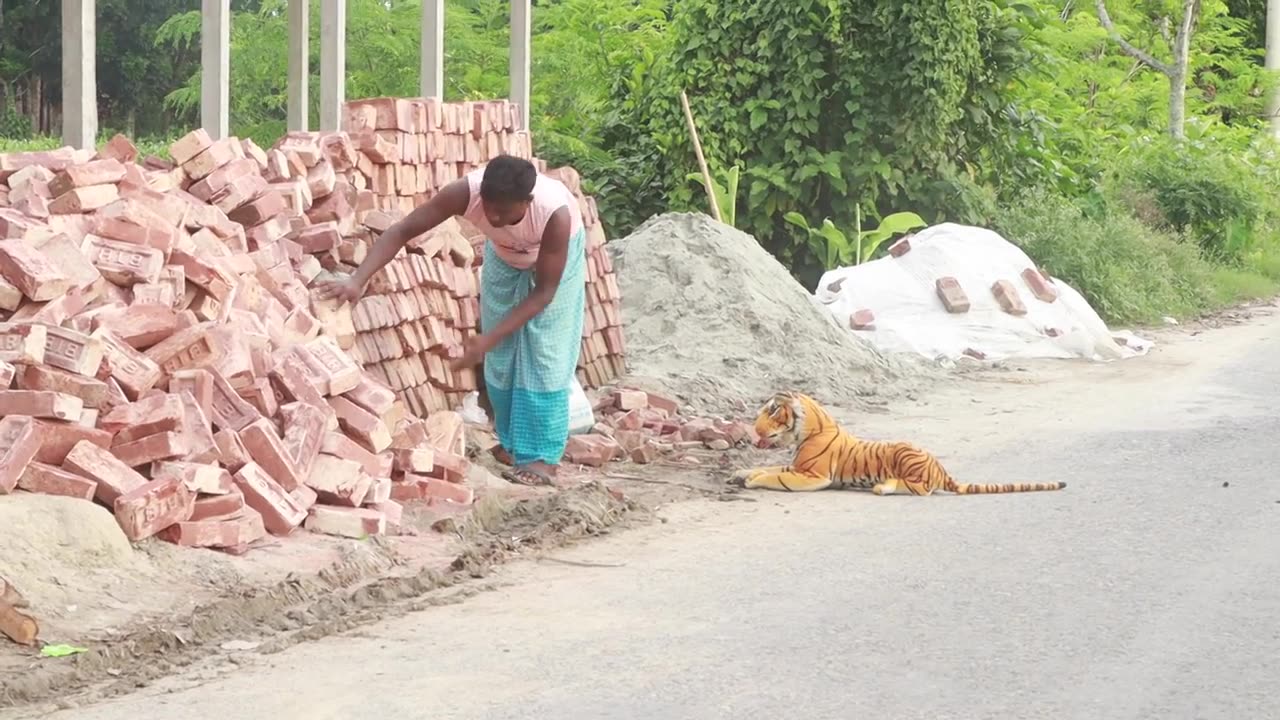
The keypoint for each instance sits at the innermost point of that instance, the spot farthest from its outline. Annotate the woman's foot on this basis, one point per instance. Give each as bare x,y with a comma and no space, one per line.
501,455
534,473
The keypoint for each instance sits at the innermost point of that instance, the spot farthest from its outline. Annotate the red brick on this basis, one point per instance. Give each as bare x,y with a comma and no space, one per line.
23,343
1007,295
280,512
136,373
318,238
952,295
304,497
50,480
73,351
291,380
391,510
231,452
152,448
862,320
212,506
220,532
591,450
438,491
95,172
446,432
114,478
19,443
339,445
192,347
644,454
7,373
216,155
122,263
199,383
667,405
146,510
222,179
41,404
57,438
264,445
198,477
202,447
92,392
304,431
338,481
346,521
190,145
363,427
263,208
31,271
341,374
118,148
901,247
84,199
154,414
415,460
1041,286
632,400
228,410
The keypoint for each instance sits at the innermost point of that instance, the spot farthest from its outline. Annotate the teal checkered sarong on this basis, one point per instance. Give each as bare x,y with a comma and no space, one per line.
530,373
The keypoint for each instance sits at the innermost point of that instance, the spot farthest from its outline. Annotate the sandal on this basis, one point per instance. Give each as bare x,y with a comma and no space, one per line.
527,476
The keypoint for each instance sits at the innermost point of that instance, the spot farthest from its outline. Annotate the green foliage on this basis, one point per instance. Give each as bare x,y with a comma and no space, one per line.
838,249
726,193
1128,271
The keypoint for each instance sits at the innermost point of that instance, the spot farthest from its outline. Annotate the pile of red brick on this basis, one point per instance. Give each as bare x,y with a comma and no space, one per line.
161,353
407,148
641,427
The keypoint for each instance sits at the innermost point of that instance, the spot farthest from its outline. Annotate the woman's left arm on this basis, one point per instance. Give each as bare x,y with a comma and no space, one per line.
553,254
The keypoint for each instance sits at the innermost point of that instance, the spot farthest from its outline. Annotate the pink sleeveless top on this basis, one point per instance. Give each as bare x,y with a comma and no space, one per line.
518,244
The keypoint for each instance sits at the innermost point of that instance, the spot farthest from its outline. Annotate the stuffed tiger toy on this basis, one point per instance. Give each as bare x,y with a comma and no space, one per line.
827,456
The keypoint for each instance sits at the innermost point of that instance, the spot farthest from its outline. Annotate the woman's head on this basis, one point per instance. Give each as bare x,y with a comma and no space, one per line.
507,189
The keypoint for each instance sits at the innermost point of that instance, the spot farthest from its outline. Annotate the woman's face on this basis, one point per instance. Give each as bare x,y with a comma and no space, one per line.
504,214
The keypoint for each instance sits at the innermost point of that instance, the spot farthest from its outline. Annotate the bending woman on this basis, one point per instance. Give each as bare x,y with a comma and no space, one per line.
532,301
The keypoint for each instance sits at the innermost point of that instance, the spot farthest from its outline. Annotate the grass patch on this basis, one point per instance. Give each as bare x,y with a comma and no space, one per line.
146,146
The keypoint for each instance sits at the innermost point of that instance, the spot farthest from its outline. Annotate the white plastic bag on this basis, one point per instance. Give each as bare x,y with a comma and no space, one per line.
581,417
471,411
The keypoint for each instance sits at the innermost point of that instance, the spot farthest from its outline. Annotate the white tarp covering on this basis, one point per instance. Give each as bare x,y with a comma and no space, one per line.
902,294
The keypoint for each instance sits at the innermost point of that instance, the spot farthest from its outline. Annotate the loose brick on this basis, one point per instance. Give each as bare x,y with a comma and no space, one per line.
31,271
1007,295
198,477
901,247
862,320
192,347
40,404
73,351
96,172
197,382
280,512
50,480
237,531
632,400
265,446
57,438
92,392
346,521
415,460
227,410
231,452
591,450
391,510
216,155
644,454
341,374
190,145
113,477
23,343
304,431
363,427
136,373
122,263
84,199
119,148
338,481
1041,286
19,443
152,507
374,464
438,491
213,506
667,405
952,295
152,448
150,415
7,373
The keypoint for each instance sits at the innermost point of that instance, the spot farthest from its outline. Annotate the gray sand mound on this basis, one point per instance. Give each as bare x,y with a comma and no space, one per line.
712,318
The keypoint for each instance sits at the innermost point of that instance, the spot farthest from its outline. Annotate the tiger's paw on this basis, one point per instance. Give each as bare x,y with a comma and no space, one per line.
739,478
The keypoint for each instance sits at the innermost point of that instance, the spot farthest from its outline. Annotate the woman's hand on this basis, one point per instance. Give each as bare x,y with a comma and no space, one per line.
347,289
473,352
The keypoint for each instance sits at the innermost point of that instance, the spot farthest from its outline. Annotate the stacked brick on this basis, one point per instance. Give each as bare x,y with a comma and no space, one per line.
408,148
161,352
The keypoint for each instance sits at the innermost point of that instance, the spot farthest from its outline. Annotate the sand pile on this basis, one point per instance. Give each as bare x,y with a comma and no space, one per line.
711,317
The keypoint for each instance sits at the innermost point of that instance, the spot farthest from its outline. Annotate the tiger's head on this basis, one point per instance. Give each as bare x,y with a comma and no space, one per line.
785,419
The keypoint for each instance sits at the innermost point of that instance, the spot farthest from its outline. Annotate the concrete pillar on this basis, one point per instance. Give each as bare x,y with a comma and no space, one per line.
215,67
299,68
79,73
1272,63
433,48
521,27
333,62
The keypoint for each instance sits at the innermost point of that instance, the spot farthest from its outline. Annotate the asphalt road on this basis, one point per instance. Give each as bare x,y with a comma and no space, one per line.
1150,588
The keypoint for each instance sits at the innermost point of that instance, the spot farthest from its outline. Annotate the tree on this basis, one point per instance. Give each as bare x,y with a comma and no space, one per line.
1176,69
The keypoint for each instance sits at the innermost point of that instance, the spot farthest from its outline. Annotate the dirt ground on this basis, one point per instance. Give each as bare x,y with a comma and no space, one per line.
146,611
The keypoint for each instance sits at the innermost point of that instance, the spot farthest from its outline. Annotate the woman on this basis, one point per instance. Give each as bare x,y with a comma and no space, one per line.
532,301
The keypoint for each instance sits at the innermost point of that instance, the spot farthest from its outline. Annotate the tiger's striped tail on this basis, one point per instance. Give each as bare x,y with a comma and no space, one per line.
987,489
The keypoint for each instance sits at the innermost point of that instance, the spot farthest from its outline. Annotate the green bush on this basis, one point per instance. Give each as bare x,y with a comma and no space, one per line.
1210,193
1127,270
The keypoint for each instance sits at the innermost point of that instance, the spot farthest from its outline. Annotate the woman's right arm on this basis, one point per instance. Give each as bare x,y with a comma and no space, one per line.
451,201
